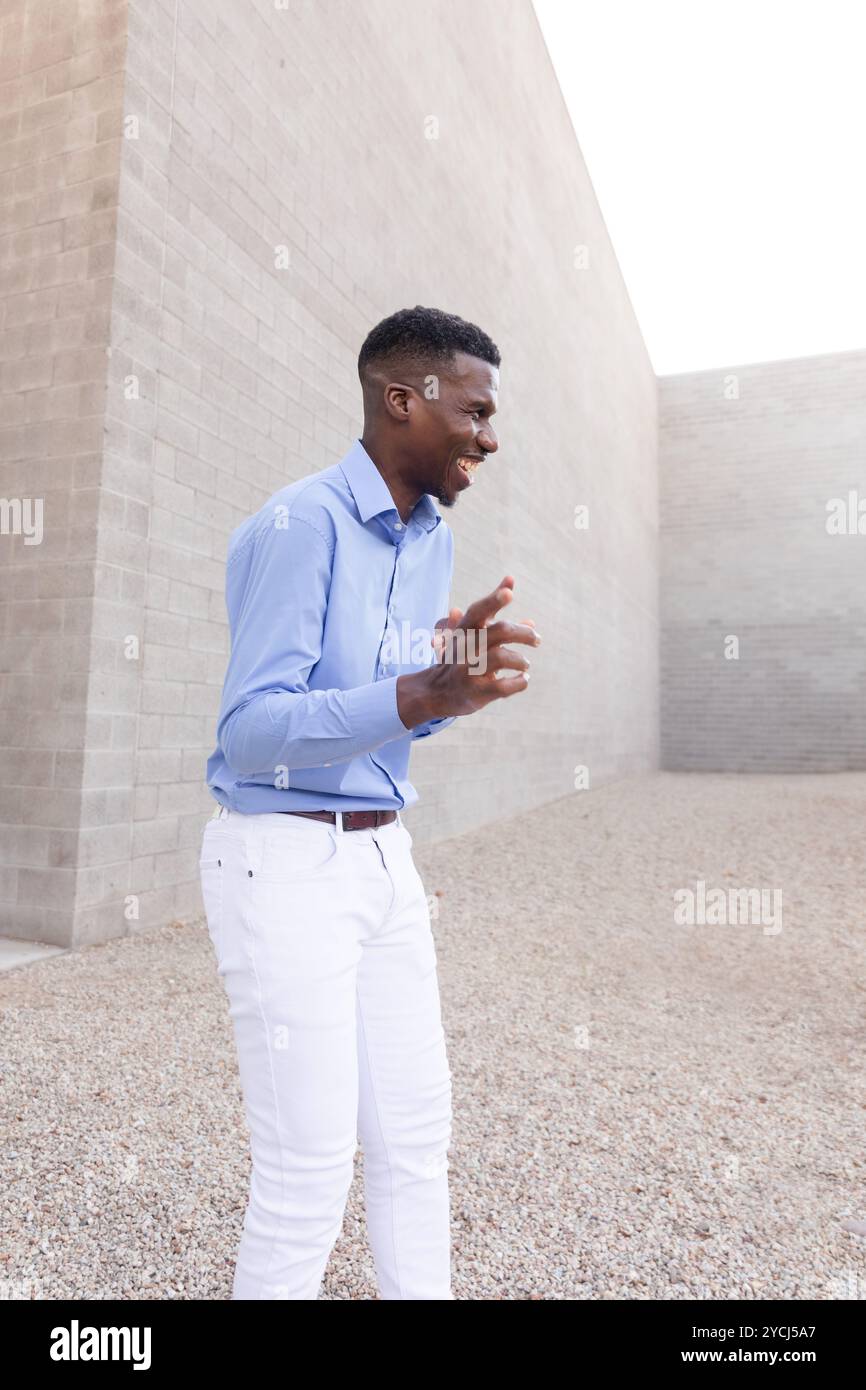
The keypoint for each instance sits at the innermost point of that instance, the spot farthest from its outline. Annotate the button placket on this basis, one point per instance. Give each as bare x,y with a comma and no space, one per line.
382,671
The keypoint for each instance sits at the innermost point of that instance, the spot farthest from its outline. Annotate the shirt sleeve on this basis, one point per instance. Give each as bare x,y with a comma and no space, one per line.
277,596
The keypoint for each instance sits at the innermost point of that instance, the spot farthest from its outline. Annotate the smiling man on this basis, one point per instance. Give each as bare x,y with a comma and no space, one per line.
317,914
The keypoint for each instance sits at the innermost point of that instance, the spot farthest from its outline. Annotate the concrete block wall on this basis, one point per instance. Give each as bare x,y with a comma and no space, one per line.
61,95
287,177
749,458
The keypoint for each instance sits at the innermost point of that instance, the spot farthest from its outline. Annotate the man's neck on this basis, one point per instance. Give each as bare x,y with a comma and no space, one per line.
405,498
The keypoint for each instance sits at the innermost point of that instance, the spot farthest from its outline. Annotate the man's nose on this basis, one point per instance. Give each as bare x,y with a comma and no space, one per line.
487,440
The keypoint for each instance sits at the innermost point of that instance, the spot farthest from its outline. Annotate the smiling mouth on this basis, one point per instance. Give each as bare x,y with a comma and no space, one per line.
468,464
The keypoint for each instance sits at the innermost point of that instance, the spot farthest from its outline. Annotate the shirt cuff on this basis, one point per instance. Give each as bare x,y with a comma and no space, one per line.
372,709
433,726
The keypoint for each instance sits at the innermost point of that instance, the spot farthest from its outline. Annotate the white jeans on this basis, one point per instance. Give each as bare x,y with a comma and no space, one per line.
324,946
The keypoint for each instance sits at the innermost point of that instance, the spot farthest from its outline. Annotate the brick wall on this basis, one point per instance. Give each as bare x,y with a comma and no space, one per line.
749,459
61,92
279,193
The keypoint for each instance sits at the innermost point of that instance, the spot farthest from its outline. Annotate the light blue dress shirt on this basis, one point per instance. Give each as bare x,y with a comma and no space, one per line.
330,598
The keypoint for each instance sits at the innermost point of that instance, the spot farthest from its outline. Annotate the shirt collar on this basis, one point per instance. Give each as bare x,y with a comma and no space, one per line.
372,494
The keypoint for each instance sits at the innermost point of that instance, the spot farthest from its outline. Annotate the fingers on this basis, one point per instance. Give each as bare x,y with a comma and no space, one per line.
479,613
494,654
498,659
443,626
449,623
454,616
501,631
511,685
494,636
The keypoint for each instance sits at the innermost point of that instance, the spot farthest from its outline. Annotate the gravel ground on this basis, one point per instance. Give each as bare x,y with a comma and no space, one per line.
643,1110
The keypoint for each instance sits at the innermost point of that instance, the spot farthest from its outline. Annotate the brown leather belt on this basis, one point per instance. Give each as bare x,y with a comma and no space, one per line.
352,820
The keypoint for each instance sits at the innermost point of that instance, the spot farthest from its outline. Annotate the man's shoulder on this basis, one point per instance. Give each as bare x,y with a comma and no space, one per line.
314,501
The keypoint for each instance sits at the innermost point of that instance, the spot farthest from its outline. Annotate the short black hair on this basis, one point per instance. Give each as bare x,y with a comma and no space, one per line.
419,336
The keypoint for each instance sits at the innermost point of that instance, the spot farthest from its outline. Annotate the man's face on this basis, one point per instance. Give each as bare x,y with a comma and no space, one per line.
455,431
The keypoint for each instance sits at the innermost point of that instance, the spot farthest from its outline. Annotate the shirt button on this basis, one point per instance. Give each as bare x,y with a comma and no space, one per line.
398,526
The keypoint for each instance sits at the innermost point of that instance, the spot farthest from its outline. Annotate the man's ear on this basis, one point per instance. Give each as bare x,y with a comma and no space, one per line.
398,400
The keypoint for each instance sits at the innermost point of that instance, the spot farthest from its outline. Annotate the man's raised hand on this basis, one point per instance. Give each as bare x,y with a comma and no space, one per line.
471,648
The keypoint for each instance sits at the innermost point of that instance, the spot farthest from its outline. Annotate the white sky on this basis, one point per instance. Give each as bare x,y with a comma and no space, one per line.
727,148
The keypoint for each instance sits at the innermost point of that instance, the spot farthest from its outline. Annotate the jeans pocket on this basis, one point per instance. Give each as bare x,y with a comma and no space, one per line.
294,853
